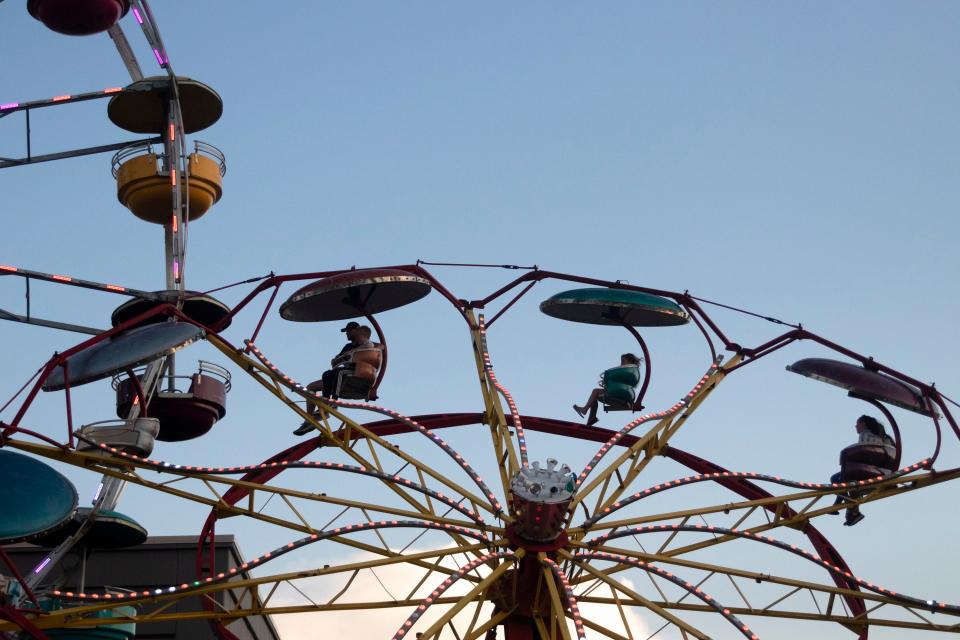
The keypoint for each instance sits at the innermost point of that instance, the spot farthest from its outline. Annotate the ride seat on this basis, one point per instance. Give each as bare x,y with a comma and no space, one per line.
863,461
357,383
130,436
620,388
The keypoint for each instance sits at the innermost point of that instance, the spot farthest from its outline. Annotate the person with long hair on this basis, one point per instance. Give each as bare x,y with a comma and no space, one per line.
870,432
597,395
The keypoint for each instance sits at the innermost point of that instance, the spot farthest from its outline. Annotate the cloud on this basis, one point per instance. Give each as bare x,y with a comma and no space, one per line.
383,584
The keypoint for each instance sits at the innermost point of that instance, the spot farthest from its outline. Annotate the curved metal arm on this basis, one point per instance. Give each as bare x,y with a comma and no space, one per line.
138,389
893,426
372,394
638,403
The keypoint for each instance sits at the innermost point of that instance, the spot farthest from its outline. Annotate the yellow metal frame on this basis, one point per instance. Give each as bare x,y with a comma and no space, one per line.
602,489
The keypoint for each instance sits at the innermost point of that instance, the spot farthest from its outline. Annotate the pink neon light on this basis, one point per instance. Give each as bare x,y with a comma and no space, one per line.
9,105
136,14
63,278
176,270
60,98
4,267
113,287
158,57
113,90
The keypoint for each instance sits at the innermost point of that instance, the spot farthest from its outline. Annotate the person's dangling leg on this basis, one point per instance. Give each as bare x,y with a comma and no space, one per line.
330,383
593,419
590,405
306,426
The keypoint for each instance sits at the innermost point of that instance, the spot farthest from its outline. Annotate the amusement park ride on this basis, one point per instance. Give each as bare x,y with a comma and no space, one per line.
517,556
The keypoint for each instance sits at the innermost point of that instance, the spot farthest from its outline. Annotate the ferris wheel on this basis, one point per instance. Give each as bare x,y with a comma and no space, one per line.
483,537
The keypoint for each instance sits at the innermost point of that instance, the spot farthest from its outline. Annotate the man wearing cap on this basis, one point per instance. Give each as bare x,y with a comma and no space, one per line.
344,355
327,384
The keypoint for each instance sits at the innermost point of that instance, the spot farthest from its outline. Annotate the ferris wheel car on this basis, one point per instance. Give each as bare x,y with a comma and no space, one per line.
78,17
143,180
183,414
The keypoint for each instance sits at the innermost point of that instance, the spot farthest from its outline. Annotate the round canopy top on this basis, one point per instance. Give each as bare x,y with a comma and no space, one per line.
36,499
120,352
142,106
353,294
202,308
110,530
862,383
614,307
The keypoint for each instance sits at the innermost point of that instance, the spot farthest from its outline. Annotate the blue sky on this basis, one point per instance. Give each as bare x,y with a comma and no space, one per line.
795,159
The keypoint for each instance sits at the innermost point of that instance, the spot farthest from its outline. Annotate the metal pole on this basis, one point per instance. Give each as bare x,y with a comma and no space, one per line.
27,113
126,53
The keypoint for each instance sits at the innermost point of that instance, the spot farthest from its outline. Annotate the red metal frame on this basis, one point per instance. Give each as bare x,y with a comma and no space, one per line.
750,491
702,320
17,618
638,403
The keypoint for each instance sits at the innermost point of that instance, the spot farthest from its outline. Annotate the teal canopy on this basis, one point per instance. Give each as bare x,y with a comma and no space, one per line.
110,530
606,306
36,499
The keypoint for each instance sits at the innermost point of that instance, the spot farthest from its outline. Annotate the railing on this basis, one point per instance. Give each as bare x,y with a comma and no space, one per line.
139,149
142,149
204,149
203,368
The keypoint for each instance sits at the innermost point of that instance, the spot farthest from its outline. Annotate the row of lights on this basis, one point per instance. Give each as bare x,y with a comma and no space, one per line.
497,507
670,484
161,59
932,605
39,103
685,401
294,464
571,598
688,587
514,413
270,555
446,584
62,278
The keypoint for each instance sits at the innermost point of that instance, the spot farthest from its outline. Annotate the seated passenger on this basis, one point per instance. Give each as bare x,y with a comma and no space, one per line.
342,365
601,394
874,443
360,372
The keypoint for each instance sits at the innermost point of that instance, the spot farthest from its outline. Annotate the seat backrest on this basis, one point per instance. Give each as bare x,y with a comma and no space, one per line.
619,387
868,454
628,375
366,362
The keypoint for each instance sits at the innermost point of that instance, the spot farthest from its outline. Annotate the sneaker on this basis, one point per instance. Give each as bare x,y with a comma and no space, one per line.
592,421
303,429
853,519
579,411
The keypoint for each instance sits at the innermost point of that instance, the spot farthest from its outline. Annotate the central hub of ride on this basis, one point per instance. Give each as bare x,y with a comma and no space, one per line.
540,501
